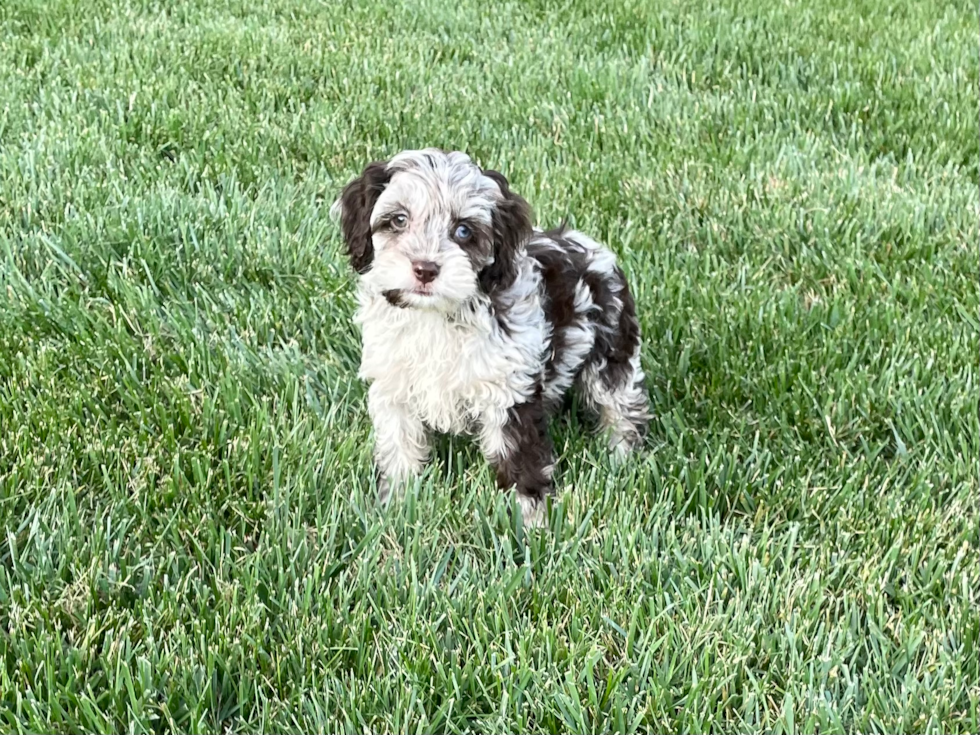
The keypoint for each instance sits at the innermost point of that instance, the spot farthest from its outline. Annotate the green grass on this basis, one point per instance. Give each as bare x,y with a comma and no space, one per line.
190,541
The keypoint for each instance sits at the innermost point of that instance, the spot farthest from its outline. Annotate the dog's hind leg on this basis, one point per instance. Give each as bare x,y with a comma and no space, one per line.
618,396
612,381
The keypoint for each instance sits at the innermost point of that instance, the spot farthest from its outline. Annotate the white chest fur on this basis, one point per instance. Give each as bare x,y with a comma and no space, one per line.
449,371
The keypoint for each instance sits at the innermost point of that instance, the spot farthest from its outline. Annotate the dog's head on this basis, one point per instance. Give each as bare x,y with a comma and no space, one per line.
430,229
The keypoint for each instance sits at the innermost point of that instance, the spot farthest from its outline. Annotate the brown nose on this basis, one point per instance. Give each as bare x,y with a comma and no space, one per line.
425,270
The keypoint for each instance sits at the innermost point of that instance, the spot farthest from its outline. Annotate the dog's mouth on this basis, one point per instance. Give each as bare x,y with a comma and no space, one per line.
395,297
407,298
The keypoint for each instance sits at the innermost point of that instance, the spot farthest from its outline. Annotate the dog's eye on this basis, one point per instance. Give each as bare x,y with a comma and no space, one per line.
462,232
399,222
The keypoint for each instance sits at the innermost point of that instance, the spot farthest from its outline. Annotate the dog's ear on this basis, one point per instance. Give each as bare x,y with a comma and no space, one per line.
511,228
355,206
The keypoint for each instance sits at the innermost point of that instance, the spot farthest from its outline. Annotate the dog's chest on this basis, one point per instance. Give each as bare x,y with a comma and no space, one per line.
445,372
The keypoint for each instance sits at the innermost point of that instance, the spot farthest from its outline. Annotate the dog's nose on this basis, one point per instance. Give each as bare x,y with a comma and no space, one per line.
425,270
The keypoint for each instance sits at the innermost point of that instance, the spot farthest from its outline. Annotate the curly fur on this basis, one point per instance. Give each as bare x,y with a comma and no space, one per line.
514,318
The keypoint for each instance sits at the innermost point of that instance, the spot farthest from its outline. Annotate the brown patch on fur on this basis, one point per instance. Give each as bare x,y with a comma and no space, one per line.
626,337
617,332
357,202
511,222
561,270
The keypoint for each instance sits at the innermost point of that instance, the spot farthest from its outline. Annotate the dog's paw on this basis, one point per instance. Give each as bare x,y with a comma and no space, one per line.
384,490
533,511
622,443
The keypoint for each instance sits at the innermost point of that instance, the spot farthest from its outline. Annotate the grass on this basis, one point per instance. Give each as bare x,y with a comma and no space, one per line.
190,541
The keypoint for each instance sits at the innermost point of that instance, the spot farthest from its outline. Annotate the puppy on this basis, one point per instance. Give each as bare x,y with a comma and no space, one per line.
475,322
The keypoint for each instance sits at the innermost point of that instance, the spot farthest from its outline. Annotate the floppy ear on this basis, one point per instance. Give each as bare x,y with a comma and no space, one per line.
356,204
511,228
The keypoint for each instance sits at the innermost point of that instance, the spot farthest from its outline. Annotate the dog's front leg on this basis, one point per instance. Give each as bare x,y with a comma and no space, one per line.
517,444
401,442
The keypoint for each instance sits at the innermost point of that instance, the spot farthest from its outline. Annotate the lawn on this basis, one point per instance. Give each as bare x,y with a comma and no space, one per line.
190,537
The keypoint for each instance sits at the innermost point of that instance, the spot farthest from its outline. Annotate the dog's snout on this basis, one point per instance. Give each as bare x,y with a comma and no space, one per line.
425,270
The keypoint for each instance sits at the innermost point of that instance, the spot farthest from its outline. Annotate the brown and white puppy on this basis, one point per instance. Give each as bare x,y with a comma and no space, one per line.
475,322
